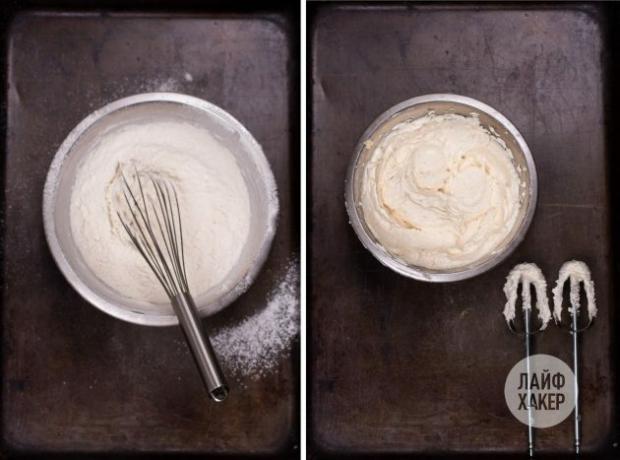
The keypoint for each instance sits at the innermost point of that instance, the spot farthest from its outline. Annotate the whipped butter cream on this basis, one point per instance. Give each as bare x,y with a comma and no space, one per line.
440,191
527,275
213,199
576,272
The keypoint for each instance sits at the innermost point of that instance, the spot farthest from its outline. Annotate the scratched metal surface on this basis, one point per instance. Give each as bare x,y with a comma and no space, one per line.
74,378
399,366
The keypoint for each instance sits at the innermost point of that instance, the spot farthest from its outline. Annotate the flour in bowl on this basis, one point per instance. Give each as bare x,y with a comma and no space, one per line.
213,198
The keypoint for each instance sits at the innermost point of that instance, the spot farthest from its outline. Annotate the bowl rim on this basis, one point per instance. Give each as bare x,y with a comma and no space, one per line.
421,273
50,198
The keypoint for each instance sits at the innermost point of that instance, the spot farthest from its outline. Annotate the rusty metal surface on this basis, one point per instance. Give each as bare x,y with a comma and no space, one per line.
76,379
406,367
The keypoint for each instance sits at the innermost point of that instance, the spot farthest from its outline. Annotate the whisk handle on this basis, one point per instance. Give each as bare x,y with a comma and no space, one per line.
200,346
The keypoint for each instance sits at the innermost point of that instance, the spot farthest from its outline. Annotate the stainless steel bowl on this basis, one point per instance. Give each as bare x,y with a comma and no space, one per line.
418,107
156,107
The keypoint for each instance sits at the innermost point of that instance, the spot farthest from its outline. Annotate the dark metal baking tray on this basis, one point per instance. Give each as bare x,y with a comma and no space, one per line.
408,368
74,380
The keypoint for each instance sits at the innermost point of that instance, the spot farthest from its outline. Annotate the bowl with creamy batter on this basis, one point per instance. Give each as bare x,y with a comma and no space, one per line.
441,188
226,190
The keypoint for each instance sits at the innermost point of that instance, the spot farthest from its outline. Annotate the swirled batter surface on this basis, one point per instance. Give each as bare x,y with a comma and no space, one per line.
440,191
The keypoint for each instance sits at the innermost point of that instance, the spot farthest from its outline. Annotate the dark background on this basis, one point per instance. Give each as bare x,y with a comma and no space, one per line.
77,383
402,368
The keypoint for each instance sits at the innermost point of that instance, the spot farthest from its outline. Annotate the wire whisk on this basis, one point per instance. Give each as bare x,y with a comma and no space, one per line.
153,223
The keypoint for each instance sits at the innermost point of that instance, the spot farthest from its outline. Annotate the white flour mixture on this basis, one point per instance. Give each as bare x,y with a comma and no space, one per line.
440,191
213,197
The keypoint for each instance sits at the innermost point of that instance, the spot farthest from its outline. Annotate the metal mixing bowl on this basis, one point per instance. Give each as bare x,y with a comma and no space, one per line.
441,104
143,108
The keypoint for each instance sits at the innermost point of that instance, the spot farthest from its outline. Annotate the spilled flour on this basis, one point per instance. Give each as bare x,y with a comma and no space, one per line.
254,347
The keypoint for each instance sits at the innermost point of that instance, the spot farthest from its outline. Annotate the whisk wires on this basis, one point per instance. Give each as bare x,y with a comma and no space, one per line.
157,234
153,223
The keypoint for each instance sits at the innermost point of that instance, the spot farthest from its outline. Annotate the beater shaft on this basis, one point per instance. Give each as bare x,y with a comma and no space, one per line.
530,417
577,417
